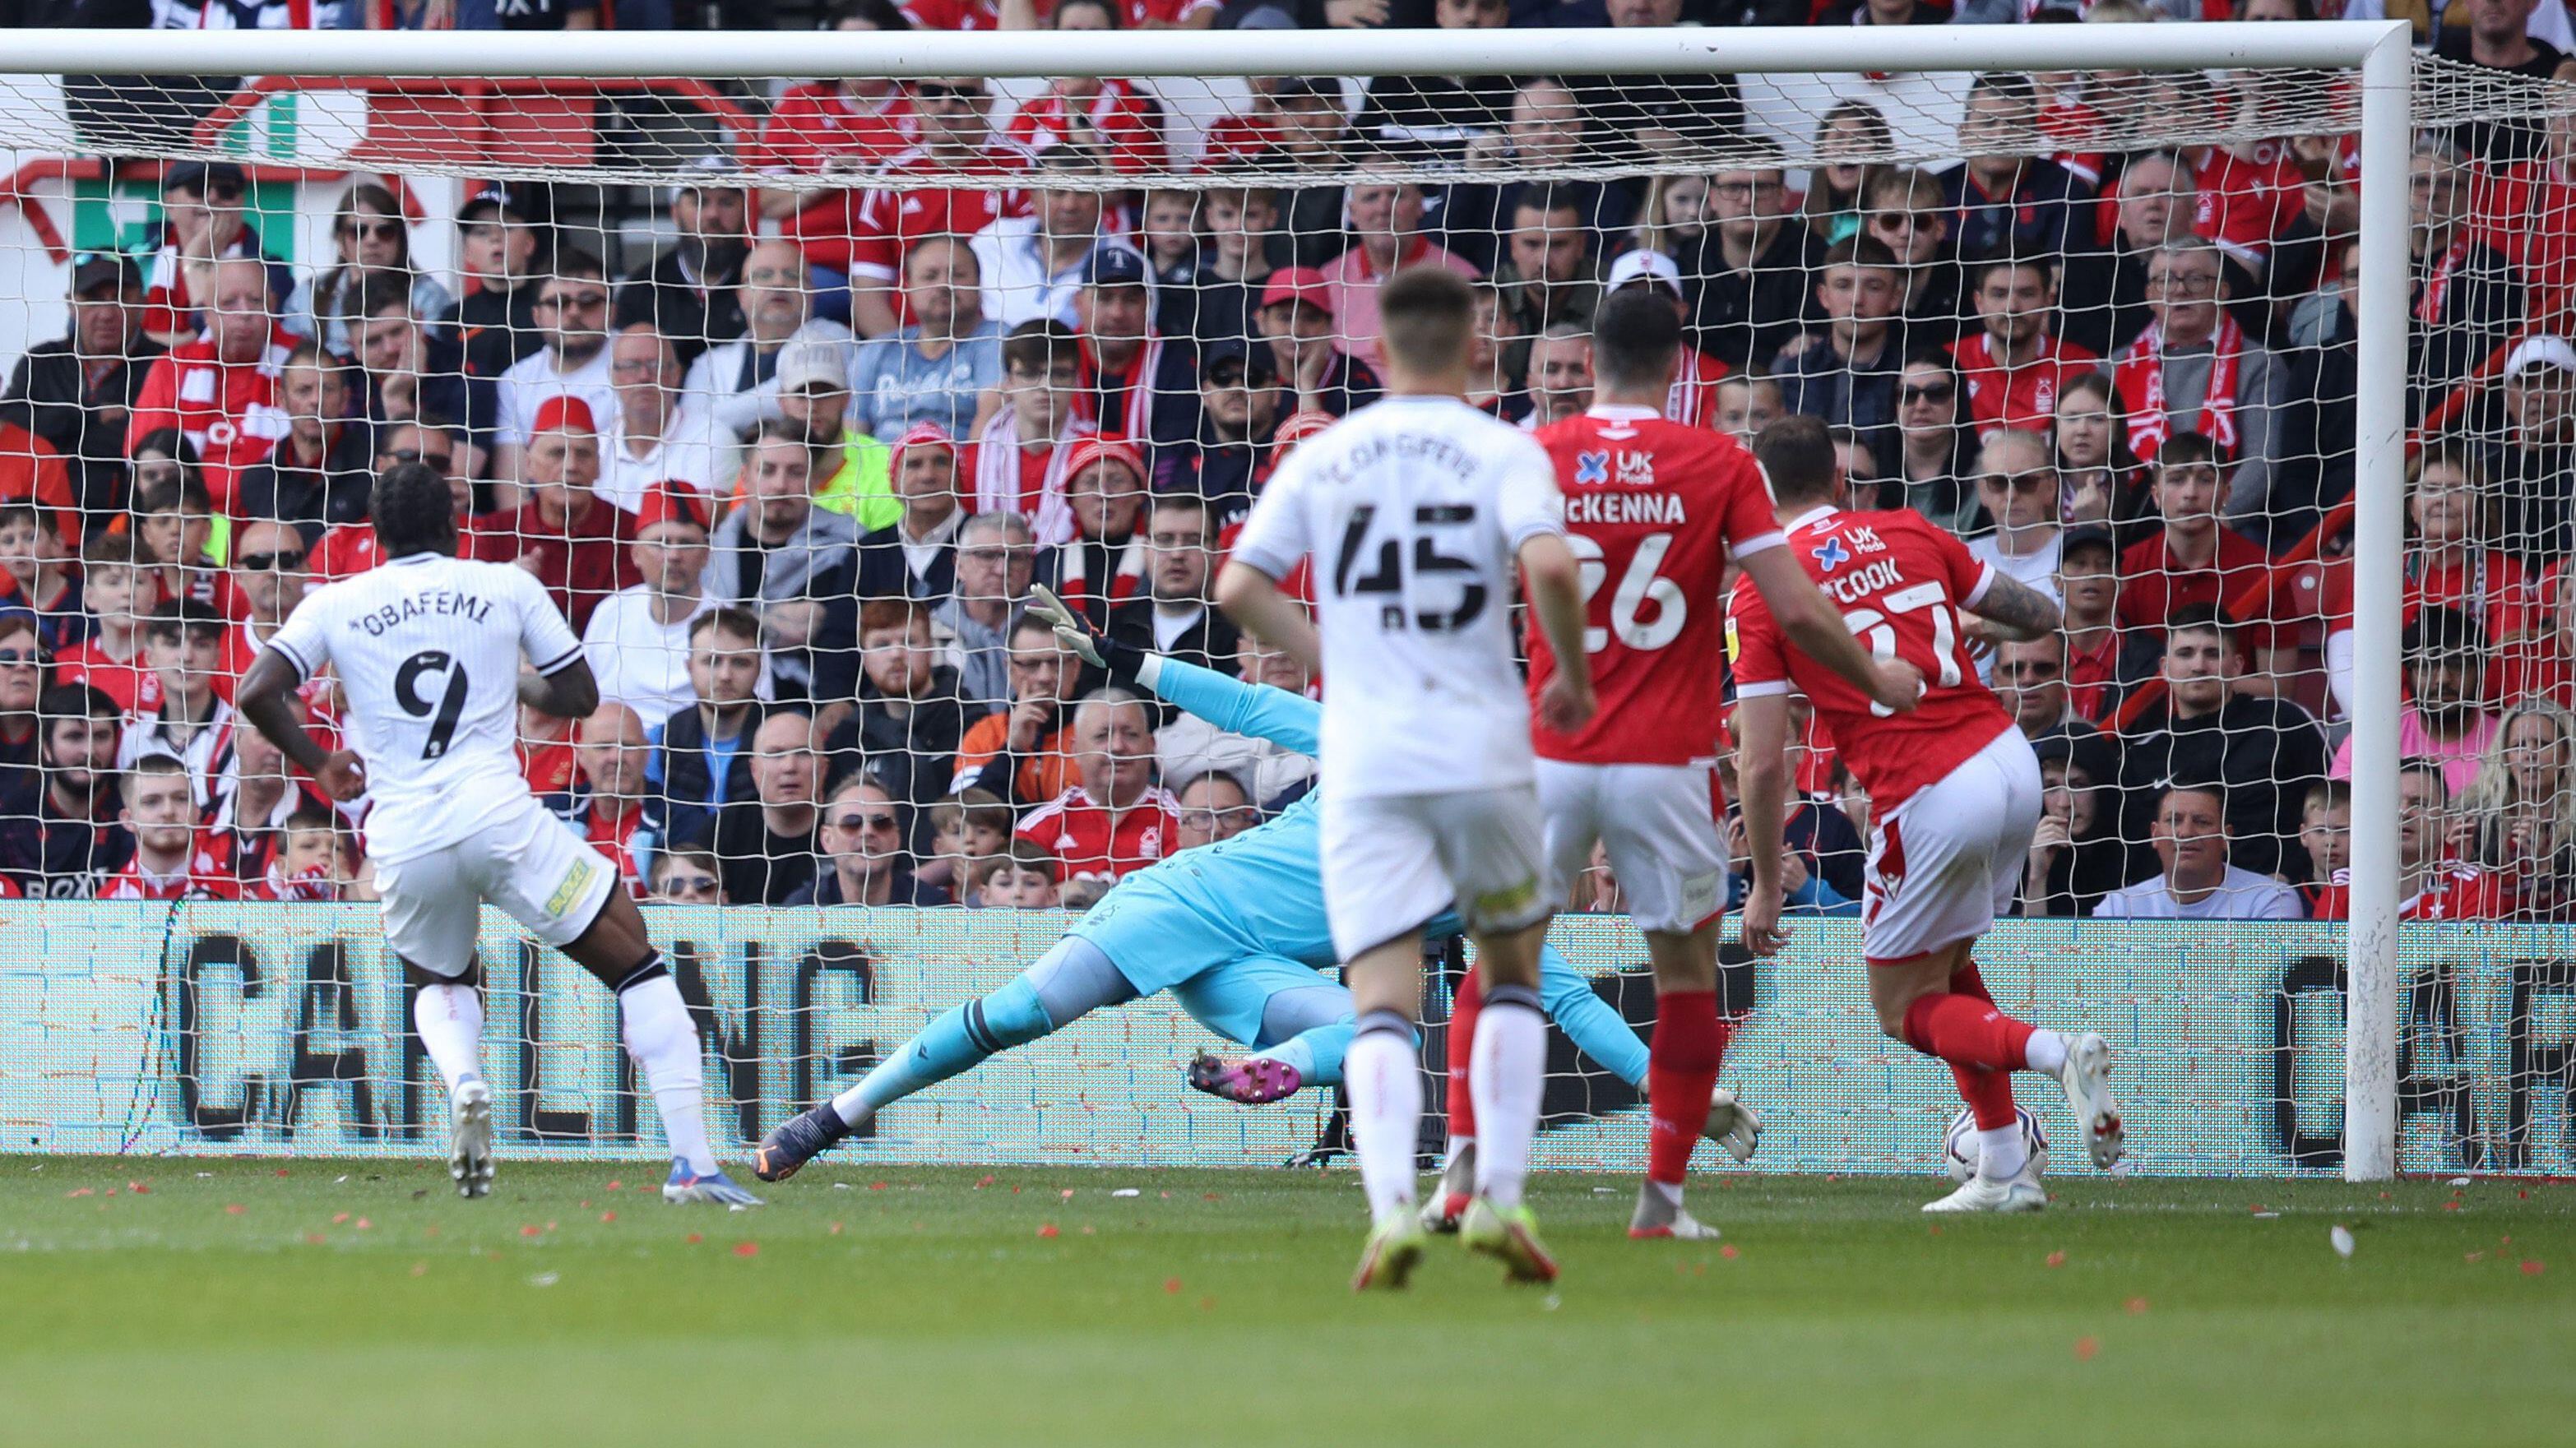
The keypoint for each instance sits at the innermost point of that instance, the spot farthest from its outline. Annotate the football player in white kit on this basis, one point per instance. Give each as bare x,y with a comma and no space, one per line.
428,647
1415,510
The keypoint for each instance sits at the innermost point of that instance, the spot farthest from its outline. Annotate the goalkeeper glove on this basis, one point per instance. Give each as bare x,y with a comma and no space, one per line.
1120,660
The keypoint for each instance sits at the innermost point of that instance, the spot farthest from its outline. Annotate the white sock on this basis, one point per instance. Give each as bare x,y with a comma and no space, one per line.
664,1042
1506,1073
450,1021
2045,1051
2000,1155
1669,1191
1385,1084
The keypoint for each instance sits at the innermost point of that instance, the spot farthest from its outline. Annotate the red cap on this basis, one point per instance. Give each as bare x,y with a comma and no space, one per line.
1097,449
924,434
671,502
1298,284
563,414
1296,427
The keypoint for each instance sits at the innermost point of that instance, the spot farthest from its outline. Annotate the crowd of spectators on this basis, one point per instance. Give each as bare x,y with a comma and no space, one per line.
795,470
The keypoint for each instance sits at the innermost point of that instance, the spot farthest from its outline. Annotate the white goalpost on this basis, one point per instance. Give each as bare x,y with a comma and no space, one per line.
2360,78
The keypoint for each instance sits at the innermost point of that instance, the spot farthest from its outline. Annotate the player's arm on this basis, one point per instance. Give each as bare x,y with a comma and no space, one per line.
570,692
1291,721
1252,599
264,698
2013,611
562,687
1811,622
1555,584
1762,794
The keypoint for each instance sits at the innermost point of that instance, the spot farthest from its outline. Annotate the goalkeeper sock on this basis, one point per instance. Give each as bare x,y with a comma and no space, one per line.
1507,1075
1461,1096
958,1039
1965,1032
450,1021
1316,1054
664,1042
1385,1086
1689,1043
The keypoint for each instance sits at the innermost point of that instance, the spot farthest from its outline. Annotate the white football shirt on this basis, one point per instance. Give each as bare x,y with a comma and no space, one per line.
428,648
1414,509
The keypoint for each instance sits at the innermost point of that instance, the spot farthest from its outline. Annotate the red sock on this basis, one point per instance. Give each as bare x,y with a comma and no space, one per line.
1969,983
1462,1045
1988,1094
1681,1070
1965,1031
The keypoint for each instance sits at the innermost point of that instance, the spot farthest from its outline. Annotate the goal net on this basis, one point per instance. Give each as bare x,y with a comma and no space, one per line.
791,390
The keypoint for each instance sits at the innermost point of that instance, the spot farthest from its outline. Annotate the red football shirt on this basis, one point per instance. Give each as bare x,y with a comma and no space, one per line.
891,218
1081,833
1653,510
1900,580
132,684
2154,587
206,878
816,123
2023,396
2456,892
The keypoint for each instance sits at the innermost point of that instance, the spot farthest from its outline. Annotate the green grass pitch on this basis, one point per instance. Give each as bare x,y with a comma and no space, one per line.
360,1303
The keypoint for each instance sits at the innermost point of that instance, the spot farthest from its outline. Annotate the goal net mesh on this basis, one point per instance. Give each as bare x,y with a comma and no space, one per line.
791,392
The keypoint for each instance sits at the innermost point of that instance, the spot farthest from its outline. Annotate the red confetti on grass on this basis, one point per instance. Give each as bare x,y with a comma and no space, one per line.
365,1225
281,1171
2520,1196
81,1192
233,1209
1172,1285
315,1238
2450,1206
1728,1252
2056,1259
529,1230
876,1186
2534,1268
608,1216
1936,1231
983,1182
340,1218
138,1188
696,1237
2255,1207
2086,1348
836,1229
420,1269
617,1186
1210,1197
1048,1229
746,1249
2136,1306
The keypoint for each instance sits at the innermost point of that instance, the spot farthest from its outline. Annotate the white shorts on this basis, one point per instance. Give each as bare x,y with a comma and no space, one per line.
1947,862
1657,822
523,860
1393,861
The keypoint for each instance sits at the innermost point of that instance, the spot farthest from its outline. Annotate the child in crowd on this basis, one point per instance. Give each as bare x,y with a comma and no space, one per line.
112,659
2325,828
1022,877
966,829
174,522
32,577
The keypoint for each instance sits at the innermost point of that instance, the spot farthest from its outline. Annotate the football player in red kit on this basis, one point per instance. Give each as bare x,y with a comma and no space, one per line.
1954,793
1654,510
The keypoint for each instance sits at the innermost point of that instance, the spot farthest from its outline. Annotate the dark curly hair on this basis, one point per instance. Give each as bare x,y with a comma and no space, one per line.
413,511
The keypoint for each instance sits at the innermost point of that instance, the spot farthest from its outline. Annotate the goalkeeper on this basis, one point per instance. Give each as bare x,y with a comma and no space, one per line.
1234,930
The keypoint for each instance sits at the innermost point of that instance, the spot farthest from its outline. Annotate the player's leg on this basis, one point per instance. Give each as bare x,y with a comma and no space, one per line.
431,918
1492,847
1073,978
1298,1023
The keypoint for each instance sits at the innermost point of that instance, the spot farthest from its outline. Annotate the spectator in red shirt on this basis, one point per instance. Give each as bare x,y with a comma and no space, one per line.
956,137
31,471
170,862
255,800
2450,563
848,126
2013,366
201,204
2431,884
2088,583
1116,819
311,862
1114,117
576,543
606,801
350,549
2193,560
113,580
221,390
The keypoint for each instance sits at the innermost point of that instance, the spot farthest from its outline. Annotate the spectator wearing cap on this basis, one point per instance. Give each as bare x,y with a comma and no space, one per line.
2194,369
203,219
269,579
505,248
1386,235
1296,321
637,640
739,379
184,642
1113,819
2004,201
321,472
572,312
1234,267
687,294
951,116
2446,719
1135,383
853,472
1173,615
76,391
1022,453
793,564
915,556
934,368
2191,826
910,715
409,368
2534,464
1032,263
1749,268
848,125
1239,401
2088,587
1104,489
606,803
2266,751
2013,367
658,435
2193,561
572,540
220,390
1692,399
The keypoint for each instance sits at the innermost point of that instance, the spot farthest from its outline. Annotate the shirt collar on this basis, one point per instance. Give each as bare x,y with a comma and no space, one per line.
1816,514
1616,412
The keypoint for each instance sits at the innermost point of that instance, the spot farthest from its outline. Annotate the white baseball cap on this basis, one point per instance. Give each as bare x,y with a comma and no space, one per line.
1646,265
2540,352
809,360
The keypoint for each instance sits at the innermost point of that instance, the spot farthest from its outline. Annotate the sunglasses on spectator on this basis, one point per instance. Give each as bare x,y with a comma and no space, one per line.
263,562
577,301
689,885
1927,392
20,658
415,455
1209,819
2034,481
937,91
858,822
380,228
